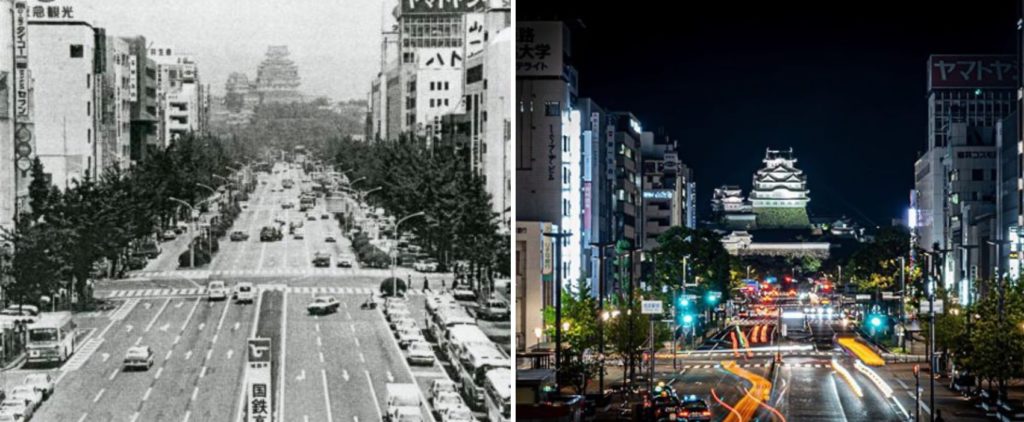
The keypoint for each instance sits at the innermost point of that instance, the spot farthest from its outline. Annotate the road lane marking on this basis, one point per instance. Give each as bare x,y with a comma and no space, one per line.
165,327
159,371
321,357
391,378
203,372
188,355
178,304
302,375
319,343
222,315
373,393
138,340
214,340
317,326
195,391
157,316
352,327
82,419
348,315
105,356
135,417
209,353
230,352
344,374
98,395
168,357
408,370
361,358
148,392
189,317
357,341
187,414
327,395
202,325
901,383
129,329
237,324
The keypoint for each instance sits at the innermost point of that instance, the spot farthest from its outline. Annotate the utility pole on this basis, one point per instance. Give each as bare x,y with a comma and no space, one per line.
557,237
600,307
1001,285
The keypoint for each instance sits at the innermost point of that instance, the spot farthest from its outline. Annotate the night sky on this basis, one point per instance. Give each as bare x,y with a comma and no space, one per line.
843,83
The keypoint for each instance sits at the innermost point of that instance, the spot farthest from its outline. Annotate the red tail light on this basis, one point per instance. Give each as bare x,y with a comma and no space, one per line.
706,413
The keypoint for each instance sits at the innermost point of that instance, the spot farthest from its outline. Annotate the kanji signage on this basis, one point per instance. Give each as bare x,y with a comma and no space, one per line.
258,388
971,71
441,6
474,26
440,58
48,10
538,49
133,72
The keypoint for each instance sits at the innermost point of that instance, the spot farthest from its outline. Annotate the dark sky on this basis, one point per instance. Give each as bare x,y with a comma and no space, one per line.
843,83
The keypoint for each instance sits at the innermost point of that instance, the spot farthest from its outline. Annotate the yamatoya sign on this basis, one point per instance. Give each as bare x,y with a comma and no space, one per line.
441,6
971,71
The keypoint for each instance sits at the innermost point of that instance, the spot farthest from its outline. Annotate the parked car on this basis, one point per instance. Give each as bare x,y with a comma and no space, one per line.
310,217
16,409
330,239
440,386
325,216
494,309
425,266
322,305
168,235
27,394
457,414
287,205
407,337
42,383
238,236
463,293
344,263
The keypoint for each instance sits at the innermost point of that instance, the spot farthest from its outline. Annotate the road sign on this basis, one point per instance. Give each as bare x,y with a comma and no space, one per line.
651,307
863,298
926,309
259,397
715,295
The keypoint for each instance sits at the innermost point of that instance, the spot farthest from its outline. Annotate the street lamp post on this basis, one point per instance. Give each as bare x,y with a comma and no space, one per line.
191,247
394,252
558,236
600,306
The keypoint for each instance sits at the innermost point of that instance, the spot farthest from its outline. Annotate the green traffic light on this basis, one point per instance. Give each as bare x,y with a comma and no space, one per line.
876,321
688,319
977,92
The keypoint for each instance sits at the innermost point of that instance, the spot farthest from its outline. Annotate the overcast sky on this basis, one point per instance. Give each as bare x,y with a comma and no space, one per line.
336,43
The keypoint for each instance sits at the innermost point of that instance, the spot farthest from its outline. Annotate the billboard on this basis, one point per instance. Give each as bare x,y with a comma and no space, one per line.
51,10
258,401
473,23
547,253
442,6
971,71
539,49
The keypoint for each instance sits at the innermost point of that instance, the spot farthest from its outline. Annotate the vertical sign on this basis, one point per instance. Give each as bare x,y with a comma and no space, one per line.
24,145
133,72
547,253
257,385
1015,252
474,25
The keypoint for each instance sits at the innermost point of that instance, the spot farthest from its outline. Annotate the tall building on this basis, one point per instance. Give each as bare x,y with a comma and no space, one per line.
624,134
277,78
8,170
181,96
956,177
535,287
145,113
63,63
668,189
1007,199
488,103
779,194
598,179
240,93
118,98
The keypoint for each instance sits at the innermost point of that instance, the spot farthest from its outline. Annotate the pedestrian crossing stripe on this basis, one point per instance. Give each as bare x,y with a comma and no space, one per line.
140,293
789,353
298,271
82,354
758,365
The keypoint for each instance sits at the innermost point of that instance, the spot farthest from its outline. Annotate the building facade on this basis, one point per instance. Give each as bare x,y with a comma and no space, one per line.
668,189
181,97
779,193
145,122
277,77
535,288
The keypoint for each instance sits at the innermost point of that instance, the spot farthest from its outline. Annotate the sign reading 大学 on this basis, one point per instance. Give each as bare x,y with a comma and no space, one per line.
259,397
538,49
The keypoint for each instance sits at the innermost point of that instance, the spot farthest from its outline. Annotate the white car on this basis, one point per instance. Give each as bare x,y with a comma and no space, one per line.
245,292
402,324
440,386
420,353
9,417
28,395
217,290
425,266
41,382
18,409
139,357
457,414
404,414
463,293
399,313
446,400
407,337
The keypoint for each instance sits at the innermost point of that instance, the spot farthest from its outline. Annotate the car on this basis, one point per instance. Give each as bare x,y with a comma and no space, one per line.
463,293
440,385
694,409
404,323
216,290
310,217
245,292
27,394
404,414
287,205
330,239
10,417
344,263
420,353
18,409
457,414
407,337
168,235
323,305
321,259
298,235
16,309
325,216
398,313
494,309
445,400
138,357
238,236
425,266
41,382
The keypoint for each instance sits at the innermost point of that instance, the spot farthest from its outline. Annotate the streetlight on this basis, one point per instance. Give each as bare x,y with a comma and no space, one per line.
356,181
394,252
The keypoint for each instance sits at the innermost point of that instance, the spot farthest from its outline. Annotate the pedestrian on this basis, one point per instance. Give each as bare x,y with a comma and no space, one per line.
442,284
426,285
938,416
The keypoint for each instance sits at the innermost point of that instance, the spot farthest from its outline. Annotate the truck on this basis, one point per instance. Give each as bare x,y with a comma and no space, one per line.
403,403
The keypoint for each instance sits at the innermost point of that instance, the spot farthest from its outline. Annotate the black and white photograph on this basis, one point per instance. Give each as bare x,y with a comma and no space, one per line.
254,210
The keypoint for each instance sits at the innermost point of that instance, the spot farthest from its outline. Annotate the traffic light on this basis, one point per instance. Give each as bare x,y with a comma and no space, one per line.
687,319
711,298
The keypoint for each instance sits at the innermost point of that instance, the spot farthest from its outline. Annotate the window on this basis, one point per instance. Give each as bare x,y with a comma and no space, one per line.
77,51
431,103
88,108
431,86
446,85
88,80
993,171
552,108
977,175
446,104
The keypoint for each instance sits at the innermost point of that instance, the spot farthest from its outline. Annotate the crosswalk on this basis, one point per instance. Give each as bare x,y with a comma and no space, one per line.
82,354
201,291
759,365
808,353
285,271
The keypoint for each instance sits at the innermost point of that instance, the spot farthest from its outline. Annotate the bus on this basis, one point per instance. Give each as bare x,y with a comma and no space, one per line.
460,337
472,367
51,338
498,394
446,318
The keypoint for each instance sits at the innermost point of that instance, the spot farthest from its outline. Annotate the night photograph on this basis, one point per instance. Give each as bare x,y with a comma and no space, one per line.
768,211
